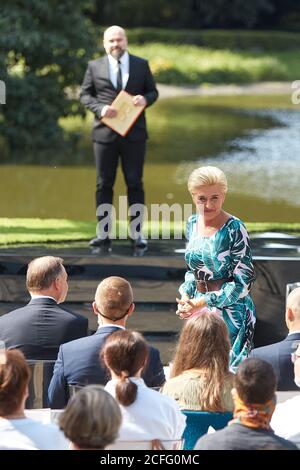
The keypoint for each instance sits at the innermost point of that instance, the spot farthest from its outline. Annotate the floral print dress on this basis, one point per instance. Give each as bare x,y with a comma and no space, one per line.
224,255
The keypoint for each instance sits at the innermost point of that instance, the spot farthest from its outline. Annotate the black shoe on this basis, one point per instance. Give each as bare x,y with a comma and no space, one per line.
140,243
104,243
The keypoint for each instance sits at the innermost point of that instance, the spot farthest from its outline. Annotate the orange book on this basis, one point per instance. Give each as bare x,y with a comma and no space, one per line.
127,114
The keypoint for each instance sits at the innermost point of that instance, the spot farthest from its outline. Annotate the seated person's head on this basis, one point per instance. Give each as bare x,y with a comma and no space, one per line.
91,419
14,379
203,344
113,299
47,276
255,381
125,354
292,312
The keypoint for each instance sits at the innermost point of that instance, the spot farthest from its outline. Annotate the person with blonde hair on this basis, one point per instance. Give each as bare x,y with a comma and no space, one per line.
220,269
17,432
147,415
200,379
91,419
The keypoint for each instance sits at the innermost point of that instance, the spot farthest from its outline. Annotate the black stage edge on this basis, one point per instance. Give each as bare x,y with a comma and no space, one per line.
155,278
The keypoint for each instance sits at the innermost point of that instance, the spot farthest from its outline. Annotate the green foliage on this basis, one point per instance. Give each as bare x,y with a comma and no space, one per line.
192,65
44,47
218,39
178,13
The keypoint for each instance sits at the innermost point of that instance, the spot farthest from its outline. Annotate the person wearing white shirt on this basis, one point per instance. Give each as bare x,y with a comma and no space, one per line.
17,432
147,415
286,418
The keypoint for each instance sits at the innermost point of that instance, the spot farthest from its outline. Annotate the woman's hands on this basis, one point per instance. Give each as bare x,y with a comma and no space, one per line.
186,306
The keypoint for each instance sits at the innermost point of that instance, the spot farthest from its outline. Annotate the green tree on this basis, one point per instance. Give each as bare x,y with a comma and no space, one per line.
44,48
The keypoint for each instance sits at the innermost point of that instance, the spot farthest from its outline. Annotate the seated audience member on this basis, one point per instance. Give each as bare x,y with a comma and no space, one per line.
279,354
254,402
17,431
39,328
78,361
91,420
286,417
200,377
147,415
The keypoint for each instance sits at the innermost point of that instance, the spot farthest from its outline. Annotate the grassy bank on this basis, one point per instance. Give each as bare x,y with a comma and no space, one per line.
28,231
190,64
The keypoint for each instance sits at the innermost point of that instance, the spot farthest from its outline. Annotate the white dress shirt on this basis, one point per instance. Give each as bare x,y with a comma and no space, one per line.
151,416
286,418
28,434
113,69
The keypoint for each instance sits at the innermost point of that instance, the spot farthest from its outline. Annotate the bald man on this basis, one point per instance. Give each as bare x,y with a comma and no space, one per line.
78,361
279,354
104,79
41,326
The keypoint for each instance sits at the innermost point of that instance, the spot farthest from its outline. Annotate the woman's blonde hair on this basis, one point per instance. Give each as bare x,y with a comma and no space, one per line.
206,176
92,418
204,345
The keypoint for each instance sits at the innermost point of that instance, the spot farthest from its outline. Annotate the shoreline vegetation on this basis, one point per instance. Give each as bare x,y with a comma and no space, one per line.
191,57
17,231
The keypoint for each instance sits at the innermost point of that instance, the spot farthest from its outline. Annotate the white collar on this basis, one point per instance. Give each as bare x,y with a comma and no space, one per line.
124,59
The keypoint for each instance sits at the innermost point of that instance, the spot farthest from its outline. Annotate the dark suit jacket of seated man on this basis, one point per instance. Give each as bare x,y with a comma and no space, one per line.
41,326
78,362
279,354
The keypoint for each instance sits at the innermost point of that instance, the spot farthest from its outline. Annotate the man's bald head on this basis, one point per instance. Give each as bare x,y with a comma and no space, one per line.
293,309
115,41
113,30
113,297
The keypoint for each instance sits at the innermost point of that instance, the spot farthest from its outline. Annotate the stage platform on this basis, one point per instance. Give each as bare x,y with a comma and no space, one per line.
155,278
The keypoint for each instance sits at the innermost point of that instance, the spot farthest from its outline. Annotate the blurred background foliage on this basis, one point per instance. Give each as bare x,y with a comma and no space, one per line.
45,46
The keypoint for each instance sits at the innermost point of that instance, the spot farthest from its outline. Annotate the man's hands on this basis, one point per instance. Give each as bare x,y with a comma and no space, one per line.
186,307
108,111
139,100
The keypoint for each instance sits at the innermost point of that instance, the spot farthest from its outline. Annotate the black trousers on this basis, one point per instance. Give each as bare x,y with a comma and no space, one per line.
132,155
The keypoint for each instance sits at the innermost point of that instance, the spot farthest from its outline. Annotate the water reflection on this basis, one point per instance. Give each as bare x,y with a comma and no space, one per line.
267,163
257,148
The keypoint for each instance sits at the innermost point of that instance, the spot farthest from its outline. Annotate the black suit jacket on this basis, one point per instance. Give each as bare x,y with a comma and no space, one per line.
78,364
98,91
279,356
39,328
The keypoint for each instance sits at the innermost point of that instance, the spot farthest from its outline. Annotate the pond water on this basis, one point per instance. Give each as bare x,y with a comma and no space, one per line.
254,139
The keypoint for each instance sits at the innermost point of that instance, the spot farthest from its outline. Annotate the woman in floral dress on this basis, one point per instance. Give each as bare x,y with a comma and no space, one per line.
220,270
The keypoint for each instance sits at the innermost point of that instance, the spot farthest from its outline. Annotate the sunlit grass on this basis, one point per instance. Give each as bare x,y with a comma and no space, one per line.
188,64
30,231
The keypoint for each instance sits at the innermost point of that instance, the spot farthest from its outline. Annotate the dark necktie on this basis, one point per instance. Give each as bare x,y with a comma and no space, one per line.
119,77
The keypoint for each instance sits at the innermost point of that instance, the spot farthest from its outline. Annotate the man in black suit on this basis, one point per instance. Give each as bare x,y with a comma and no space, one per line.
279,354
39,328
104,79
78,361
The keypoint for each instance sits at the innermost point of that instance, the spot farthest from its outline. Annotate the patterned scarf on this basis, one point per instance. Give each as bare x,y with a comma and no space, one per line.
254,415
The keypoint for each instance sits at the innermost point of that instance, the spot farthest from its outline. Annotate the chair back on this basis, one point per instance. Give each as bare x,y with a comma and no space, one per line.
198,422
41,374
154,444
